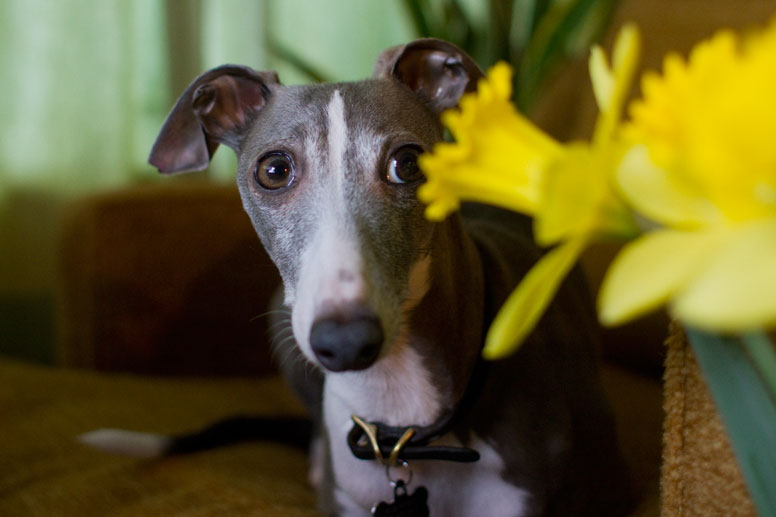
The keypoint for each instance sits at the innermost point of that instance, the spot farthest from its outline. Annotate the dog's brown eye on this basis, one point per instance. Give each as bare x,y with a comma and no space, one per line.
274,171
403,165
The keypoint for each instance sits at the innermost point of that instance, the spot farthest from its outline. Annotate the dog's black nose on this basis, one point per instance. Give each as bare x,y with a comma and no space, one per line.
347,343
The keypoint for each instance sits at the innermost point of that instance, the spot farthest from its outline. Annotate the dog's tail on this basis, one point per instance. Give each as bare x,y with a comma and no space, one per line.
292,431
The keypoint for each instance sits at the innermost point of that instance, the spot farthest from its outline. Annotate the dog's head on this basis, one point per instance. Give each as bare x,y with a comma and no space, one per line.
328,174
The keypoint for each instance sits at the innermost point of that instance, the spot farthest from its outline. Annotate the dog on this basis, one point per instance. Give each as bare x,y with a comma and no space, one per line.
392,309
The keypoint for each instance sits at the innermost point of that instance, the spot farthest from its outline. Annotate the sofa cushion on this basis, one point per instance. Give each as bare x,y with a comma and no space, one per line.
164,279
700,477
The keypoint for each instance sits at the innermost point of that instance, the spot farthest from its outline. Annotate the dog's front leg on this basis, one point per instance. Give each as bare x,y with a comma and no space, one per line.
346,506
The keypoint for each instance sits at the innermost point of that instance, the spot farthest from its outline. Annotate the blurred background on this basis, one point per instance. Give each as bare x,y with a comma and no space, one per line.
86,85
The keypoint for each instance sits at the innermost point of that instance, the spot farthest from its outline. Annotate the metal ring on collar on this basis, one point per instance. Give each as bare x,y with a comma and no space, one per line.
402,464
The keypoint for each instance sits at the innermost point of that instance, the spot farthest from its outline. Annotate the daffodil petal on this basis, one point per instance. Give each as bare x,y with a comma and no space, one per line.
737,289
601,77
627,49
522,310
660,195
611,85
573,190
648,271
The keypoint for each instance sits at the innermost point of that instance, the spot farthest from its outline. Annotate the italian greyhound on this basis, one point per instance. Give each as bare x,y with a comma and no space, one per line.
392,309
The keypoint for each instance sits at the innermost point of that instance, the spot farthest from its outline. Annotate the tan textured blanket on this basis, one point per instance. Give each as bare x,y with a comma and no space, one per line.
44,471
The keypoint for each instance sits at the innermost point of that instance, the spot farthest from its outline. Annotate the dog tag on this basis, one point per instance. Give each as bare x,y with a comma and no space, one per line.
404,505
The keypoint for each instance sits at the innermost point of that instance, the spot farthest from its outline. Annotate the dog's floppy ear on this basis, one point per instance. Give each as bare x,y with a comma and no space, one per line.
215,109
437,71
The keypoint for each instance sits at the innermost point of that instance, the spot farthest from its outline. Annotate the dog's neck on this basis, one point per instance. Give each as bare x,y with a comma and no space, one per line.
427,370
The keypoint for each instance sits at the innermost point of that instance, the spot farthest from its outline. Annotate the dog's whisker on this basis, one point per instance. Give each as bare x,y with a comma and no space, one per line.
281,344
287,356
280,323
283,312
283,334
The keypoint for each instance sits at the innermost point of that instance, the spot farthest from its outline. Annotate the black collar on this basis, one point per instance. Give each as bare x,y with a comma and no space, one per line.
389,444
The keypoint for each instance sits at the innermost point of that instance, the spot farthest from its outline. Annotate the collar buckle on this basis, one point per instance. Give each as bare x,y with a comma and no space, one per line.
370,430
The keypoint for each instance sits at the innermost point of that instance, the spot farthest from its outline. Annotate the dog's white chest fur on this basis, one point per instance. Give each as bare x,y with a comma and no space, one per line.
398,391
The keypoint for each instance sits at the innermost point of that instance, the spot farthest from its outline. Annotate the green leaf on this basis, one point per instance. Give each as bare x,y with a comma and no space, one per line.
460,29
525,17
746,405
762,353
500,14
418,11
563,29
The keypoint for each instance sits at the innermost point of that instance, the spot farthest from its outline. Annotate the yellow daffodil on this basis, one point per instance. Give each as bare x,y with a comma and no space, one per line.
501,158
703,166
498,156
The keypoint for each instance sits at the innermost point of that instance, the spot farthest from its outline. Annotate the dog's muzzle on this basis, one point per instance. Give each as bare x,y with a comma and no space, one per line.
343,343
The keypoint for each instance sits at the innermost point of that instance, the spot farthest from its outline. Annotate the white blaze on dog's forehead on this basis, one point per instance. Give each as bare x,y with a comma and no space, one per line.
337,133
362,144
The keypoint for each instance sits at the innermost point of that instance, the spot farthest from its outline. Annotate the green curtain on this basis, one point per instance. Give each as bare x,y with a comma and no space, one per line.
80,90
86,83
